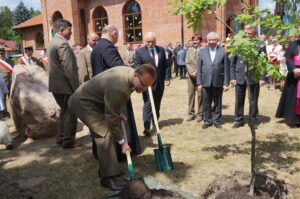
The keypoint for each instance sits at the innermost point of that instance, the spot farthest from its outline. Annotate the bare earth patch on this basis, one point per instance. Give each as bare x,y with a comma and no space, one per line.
200,156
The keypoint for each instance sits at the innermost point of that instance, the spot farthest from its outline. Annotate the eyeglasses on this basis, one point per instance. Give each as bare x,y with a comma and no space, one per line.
141,82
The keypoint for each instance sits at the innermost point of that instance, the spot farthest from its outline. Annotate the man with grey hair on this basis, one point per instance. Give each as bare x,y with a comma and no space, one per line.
63,81
156,56
240,77
105,55
212,79
84,58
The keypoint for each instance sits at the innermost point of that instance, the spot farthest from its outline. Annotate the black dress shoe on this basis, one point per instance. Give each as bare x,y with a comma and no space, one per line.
112,184
147,132
218,125
206,125
238,125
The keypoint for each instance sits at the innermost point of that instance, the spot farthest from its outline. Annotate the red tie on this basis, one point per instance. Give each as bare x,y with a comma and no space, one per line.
153,55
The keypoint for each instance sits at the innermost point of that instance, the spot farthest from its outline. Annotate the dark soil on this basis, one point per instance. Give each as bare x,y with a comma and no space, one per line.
236,186
139,190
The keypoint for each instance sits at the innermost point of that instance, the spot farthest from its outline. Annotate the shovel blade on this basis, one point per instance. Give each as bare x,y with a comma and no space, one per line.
163,159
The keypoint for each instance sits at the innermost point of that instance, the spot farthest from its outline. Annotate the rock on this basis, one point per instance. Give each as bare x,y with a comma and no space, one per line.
34,109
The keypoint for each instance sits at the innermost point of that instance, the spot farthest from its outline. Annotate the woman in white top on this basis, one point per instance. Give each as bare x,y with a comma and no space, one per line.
273,52
283,68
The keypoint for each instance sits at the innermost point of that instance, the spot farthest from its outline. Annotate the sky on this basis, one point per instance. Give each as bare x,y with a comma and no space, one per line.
12,4
267,4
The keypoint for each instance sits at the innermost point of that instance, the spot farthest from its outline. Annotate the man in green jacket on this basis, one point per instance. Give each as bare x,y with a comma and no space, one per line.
98,104
63,81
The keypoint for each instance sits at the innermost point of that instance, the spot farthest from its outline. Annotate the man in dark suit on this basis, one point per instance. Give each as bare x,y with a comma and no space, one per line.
213,79
240,77
105,55
156,56
63,81
31,60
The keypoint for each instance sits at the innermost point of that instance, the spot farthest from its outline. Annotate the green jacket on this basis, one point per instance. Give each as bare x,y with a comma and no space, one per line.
98,102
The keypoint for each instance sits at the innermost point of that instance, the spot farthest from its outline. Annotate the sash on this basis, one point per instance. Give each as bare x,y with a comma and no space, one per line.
24,61
6,66
296,61
44,60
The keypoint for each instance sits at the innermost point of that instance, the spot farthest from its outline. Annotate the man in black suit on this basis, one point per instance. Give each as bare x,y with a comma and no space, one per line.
154,55
240,77
105,55
213,79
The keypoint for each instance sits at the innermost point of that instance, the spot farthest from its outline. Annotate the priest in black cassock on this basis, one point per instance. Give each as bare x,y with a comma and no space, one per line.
288,100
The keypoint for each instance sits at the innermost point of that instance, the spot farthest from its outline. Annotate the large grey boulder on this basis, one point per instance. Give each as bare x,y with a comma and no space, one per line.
34,109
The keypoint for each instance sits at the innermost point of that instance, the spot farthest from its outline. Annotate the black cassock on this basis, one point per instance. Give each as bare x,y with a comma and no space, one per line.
287,105
131,133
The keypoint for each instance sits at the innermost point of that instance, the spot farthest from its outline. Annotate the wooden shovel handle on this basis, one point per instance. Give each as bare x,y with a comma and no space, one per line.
153,108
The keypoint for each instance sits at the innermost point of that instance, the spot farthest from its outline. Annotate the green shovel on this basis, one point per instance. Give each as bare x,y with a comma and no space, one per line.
129,162
162,154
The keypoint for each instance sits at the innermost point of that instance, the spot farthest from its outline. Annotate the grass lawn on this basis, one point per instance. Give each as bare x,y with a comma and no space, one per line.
199,155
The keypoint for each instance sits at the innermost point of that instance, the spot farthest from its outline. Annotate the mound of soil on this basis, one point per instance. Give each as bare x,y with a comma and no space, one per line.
236,186
139,190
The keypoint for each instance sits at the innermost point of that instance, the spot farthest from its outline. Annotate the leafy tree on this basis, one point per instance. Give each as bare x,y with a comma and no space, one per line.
242,46
6,22
21,14
34,12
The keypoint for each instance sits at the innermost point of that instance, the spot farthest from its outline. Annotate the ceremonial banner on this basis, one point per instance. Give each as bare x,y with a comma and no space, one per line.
44,60
24,61
6,66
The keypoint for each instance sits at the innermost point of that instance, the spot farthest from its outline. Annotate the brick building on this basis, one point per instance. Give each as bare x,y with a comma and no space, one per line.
32,33
132,17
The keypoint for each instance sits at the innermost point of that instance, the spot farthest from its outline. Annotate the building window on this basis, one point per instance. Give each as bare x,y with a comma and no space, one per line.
39,41
132,22
56,15
100,20
233,23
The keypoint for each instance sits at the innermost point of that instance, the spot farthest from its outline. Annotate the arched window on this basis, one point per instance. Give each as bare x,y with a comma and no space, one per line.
100,20
232,22
39,41
56,15
132,22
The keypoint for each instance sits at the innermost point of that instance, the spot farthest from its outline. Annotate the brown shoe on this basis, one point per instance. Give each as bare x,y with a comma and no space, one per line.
112,184
71,145
9,147
190,118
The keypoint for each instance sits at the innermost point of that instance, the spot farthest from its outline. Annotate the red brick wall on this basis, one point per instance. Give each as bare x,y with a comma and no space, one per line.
155,18
29,38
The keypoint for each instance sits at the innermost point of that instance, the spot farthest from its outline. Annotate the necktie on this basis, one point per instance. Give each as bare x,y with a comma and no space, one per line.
152,55
29,60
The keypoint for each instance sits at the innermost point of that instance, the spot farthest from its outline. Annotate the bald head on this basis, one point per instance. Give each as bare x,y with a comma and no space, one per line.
111,33
92,39
150,39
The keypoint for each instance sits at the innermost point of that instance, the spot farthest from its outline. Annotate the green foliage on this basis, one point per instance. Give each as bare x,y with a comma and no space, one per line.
5,23
21,14
248,49
194,10
269,22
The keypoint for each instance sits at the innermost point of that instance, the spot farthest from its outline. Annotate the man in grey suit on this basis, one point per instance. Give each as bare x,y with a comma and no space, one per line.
63,81
213,79
84,58
128,56
240,77
99,103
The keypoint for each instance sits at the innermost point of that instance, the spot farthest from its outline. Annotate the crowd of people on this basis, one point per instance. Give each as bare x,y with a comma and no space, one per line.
94,84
